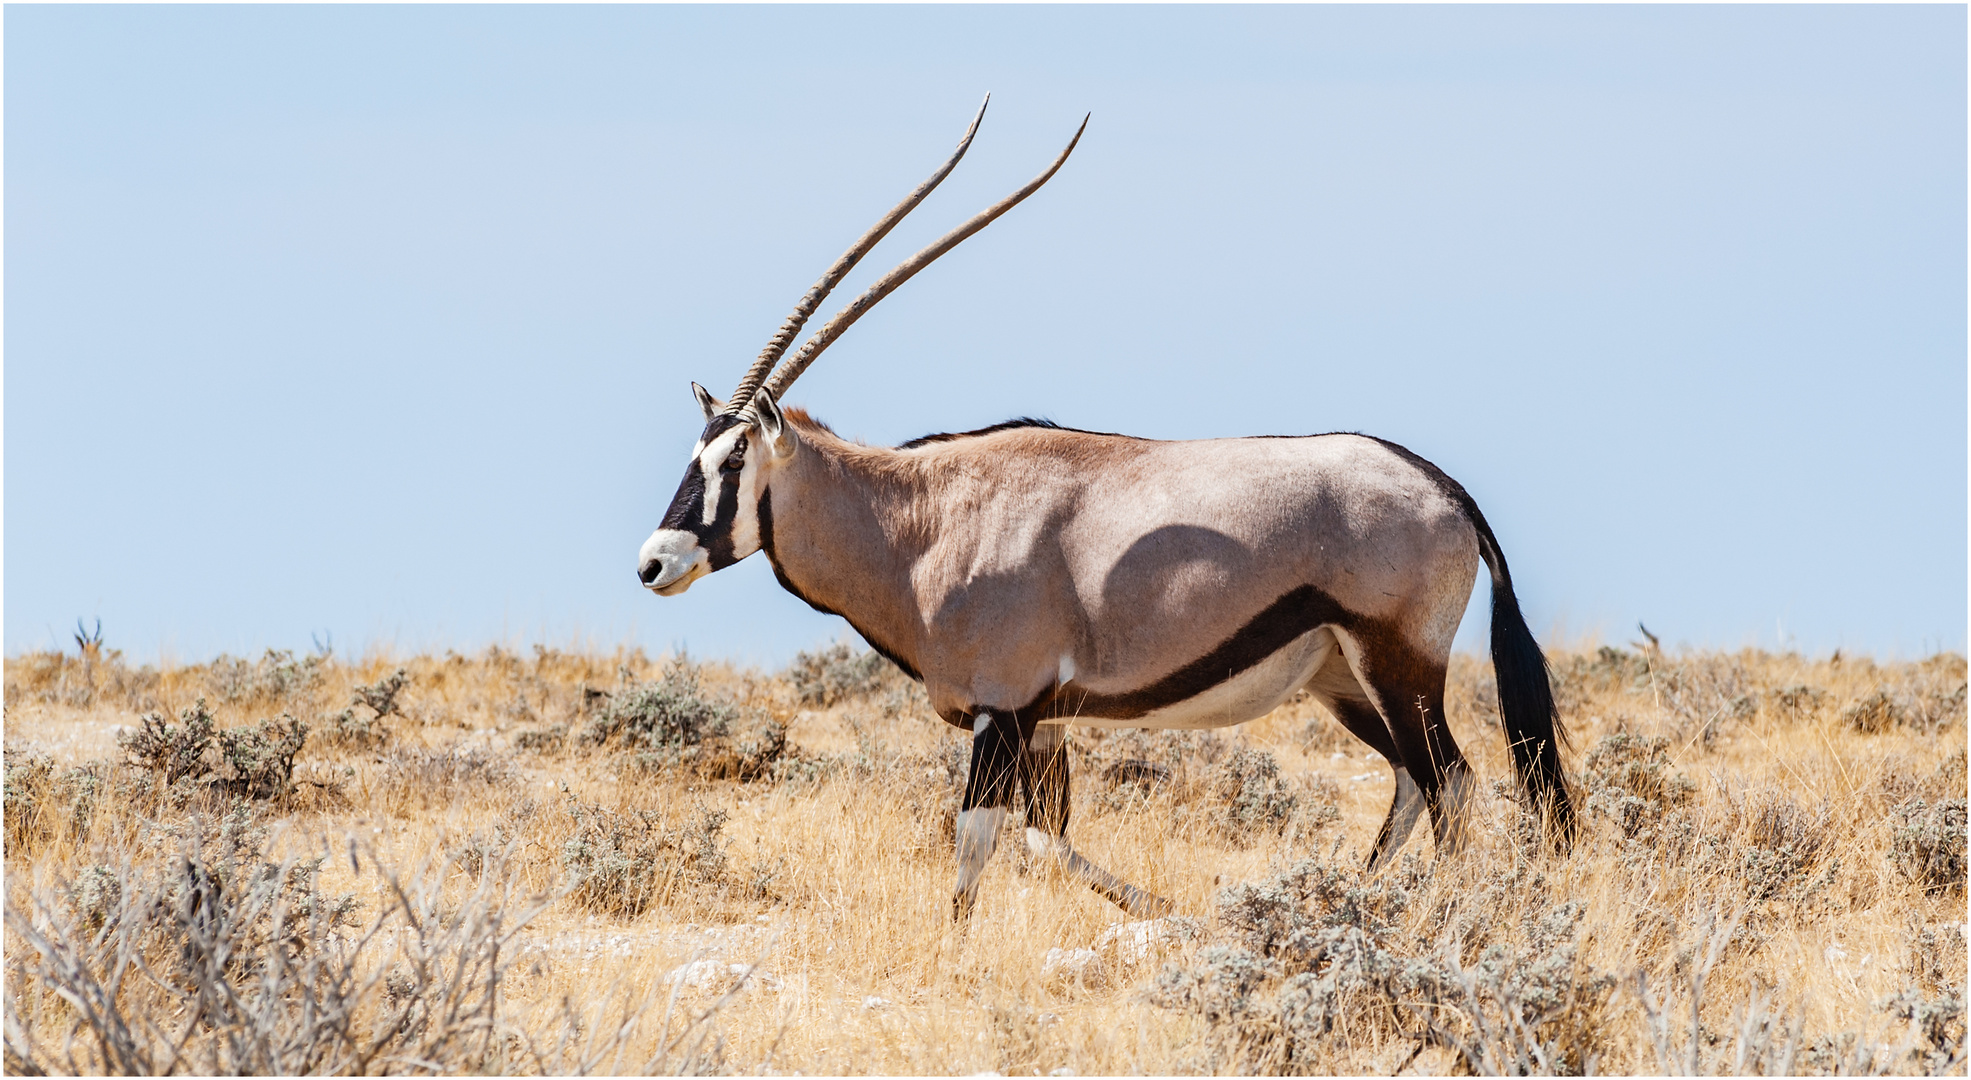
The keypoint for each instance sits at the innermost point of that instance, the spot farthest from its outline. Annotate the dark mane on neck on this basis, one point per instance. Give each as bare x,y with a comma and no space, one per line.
1005,425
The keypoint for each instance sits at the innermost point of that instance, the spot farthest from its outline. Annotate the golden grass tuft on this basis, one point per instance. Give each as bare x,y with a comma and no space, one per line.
476,868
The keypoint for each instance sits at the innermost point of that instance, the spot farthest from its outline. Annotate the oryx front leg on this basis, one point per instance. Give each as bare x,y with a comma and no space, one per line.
982,812
1044,778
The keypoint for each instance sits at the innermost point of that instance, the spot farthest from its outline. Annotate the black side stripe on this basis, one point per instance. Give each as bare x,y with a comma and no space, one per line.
1295,613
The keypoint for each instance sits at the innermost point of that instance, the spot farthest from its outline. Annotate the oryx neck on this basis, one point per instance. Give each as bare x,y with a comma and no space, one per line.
838,524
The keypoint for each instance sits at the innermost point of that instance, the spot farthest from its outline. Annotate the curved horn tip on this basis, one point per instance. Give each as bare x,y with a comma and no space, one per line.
1079,130
977,119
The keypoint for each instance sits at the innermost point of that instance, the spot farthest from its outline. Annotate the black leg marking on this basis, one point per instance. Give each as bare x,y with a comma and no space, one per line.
997,747
1044,781
1410,695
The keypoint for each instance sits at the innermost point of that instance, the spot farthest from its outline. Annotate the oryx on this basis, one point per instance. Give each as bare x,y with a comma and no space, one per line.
1033,576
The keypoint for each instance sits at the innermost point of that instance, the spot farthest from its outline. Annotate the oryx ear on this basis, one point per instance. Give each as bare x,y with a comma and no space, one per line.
773,426
712,406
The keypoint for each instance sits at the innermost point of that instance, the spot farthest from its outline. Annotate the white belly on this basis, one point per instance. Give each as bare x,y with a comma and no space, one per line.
1248,695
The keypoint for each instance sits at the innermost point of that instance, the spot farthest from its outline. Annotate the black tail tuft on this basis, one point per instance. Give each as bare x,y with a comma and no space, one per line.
1526,705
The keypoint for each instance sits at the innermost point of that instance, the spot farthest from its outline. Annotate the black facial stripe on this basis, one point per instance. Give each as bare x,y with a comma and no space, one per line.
688,505
687,511
717,537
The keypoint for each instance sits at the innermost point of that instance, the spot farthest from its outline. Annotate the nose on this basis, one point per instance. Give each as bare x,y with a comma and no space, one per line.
650,569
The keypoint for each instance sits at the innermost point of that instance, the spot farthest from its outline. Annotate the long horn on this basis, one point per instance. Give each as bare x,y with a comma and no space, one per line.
845,318
791,329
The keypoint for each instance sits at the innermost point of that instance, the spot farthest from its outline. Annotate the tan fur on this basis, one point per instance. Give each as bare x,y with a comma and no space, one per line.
982,561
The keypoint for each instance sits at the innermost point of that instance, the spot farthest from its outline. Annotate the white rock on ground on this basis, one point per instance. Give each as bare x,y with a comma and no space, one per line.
716,976
1134,941
1074,967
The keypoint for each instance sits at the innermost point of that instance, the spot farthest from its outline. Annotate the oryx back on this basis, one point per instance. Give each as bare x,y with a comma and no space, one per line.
1179,584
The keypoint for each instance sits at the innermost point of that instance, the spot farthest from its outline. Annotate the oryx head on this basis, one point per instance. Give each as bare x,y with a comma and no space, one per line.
714,520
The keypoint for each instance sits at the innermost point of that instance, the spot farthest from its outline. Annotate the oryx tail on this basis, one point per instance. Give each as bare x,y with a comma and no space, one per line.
1526,696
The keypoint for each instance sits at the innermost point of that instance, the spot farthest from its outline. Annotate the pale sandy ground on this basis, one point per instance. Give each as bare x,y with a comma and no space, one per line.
861,969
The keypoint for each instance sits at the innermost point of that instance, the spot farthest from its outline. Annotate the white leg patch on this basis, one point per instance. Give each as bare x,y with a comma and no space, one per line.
1047,738
978,833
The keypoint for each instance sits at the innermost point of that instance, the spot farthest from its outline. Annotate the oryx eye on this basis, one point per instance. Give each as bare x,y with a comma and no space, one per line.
737,459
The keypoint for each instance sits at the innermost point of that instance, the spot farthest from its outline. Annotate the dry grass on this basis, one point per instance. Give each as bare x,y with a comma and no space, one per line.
590,863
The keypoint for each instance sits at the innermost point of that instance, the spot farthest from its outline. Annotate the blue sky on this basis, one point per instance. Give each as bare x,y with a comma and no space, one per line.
377,322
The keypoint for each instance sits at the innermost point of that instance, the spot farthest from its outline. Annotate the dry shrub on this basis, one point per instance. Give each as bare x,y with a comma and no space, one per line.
1700,693
1229,792
1130,764
1242,796
1759,1040
1319,956
839,673
670,723
1783,843
1928,844
1579,676
44,800
245,944
621,863
253,762
365,729
1939,1024
1798,701
95,677
1903,780
215,958
549,740
1936,955
29,774
277,678
445,774
1629,782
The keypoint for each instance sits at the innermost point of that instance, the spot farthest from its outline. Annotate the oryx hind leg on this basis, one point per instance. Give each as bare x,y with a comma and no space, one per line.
1406,690
1334,686
1044,779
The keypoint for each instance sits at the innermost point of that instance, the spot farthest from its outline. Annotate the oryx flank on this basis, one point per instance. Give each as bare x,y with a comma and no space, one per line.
1034,576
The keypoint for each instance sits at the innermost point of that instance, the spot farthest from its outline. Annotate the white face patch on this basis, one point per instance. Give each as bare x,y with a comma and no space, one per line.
682,559
711,466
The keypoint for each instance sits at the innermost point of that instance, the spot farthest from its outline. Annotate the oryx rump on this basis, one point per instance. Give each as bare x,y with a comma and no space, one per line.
1033,576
